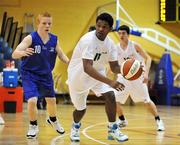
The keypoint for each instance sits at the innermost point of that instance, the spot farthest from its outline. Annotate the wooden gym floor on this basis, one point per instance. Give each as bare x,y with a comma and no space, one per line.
141,128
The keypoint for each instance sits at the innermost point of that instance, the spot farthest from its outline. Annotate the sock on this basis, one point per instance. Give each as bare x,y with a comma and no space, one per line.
76,125
122,117
157,118
33,122
53,119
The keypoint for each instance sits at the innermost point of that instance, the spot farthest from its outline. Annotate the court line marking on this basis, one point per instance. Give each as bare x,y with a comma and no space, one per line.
91,138
54,140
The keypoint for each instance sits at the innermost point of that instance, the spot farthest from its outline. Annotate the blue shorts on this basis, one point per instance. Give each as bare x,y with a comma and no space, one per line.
35,85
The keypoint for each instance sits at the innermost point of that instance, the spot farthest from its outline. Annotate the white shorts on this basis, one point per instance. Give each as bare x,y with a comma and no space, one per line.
137,90
79,98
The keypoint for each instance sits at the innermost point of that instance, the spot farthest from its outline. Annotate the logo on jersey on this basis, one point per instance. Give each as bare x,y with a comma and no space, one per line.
128,57
52,49
104,52
37,49
44,48
125,58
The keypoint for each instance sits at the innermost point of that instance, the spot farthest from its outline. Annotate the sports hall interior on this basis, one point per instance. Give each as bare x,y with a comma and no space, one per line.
72,19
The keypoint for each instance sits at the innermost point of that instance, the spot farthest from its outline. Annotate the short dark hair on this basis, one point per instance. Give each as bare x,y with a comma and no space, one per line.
124,27
106,17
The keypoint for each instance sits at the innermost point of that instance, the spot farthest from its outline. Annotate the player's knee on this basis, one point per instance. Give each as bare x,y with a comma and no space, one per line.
80,112
51,101
109,96
82,109
148,102
32,100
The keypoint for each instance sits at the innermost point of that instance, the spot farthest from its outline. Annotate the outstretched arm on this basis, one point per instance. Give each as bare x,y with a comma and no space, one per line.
61,54
23,48
147,60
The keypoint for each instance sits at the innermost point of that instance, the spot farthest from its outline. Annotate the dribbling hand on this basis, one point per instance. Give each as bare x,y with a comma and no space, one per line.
117,85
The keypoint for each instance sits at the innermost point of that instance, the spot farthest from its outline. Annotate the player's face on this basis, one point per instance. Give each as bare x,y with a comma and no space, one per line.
102,29
123,35
45,24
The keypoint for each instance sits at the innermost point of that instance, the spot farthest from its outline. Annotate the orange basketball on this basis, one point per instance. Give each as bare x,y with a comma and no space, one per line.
131,69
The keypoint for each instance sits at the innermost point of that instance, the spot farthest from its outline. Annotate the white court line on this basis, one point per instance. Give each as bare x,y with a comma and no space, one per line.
54,140
91,138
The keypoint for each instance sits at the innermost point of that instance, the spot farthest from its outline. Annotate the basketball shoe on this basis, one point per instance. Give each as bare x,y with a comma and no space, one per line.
32,132
75,132
160,125
115,133
57,126
122,123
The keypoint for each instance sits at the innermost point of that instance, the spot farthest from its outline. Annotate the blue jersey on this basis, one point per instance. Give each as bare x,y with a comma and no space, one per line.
44,57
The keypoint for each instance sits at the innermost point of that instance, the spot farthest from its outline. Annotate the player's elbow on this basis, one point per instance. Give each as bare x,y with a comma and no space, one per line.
86,69
15,55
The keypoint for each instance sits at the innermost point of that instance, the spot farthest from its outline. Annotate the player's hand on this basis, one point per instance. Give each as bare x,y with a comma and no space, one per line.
117,85
27,52
142,67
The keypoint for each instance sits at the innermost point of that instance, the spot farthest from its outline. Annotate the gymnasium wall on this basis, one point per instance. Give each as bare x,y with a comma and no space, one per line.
71,19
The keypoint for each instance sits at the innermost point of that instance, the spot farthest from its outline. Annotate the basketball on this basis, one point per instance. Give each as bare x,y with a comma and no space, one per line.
131,69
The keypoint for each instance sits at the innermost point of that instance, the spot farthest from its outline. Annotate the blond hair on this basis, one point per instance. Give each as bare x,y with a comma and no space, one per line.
45,14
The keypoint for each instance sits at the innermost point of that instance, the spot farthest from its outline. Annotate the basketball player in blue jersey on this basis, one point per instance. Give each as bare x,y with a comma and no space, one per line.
87,71
136,89
38,52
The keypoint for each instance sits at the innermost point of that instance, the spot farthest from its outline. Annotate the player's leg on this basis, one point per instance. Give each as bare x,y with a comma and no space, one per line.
122,122
32,113
52,119
142,92
79,101
110,108
31,93
46,88
121,98
119,109
152,108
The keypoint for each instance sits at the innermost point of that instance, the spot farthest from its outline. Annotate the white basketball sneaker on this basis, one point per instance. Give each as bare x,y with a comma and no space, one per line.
32,132
160,125
122,123
1,121
57,126
75,132
114,133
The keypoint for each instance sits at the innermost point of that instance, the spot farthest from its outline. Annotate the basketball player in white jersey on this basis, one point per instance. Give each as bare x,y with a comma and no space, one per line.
137,89
86,71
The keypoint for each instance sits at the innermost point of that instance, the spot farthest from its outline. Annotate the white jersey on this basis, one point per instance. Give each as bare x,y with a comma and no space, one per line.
137,90
90,47
129,52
